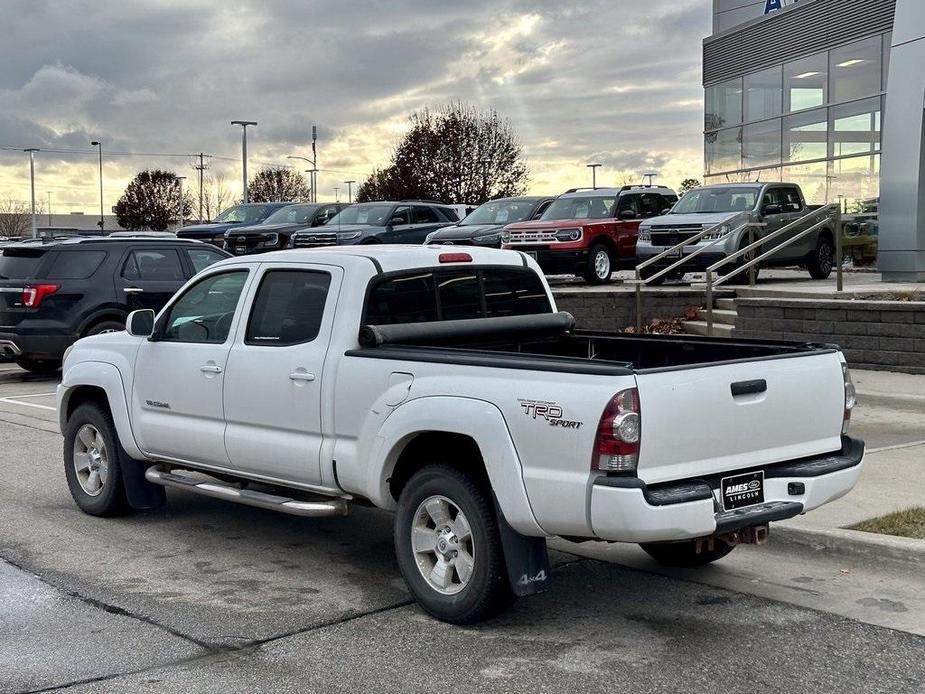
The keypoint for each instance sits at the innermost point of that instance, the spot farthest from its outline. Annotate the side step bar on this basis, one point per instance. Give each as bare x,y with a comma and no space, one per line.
321,508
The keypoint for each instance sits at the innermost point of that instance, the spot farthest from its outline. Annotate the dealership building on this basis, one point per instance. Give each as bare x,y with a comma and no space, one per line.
797,90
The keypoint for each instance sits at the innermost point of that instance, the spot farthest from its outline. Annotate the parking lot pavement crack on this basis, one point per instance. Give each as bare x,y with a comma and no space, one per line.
113,609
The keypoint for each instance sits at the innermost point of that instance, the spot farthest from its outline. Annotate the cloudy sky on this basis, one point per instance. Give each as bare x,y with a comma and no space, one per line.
616,81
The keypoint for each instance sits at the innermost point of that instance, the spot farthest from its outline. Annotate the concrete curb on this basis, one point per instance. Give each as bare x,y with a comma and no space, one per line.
854,543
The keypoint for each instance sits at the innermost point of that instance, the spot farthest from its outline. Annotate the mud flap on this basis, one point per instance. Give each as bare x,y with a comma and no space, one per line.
141,494
526,558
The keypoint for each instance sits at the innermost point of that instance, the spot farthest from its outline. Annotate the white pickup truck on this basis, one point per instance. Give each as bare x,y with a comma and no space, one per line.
443,384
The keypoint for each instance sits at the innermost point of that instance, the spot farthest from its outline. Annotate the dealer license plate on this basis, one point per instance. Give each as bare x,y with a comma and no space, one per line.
742,490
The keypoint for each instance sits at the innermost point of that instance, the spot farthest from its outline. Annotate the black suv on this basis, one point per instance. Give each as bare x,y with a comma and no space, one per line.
54,293
275,232
245,214
482,226
408,221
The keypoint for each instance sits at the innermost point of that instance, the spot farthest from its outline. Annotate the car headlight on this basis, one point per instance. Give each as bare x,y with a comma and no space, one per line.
644,234
505,236
718,234
566,235
348,235
487,239
270,240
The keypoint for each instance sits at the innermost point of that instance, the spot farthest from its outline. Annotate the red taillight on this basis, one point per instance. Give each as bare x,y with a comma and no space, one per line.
850,398
616,447
455,258
34,294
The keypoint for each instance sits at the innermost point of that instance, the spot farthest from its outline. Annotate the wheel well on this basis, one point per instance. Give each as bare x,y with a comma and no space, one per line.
458,450
87,394
827,233
604,240
114,317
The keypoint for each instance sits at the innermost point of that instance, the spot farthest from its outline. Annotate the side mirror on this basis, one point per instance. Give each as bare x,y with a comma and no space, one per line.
397,221
140,323
665,211
626,214
772,209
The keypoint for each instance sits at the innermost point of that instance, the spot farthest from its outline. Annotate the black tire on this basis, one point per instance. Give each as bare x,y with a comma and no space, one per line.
110,500
599,265
487,591
684,554
46,367
822,260
108,326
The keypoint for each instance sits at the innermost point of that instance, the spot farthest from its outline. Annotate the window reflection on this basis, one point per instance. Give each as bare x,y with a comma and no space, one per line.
763,94
856,70
806,83
761,144
806,136
855,128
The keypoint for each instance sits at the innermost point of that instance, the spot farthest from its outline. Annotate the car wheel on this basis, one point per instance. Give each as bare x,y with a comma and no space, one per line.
46,367
109,326
92,462
685,553
449,548
599,266
822,260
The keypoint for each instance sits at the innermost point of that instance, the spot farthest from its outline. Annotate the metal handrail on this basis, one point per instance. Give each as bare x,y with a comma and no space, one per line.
827,209
639,282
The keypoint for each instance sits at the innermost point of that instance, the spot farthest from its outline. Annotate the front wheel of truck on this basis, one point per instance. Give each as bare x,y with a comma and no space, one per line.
91,462
685,554
449,548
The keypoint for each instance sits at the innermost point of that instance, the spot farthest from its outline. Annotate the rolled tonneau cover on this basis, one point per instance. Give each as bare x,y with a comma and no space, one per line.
450,331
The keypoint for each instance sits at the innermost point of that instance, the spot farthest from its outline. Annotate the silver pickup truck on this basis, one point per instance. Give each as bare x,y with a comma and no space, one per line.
729,206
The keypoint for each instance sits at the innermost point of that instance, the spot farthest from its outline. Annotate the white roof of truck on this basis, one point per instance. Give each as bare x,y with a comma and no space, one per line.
391,257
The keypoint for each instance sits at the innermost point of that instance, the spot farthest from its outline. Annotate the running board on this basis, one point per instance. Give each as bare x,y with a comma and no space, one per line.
322,508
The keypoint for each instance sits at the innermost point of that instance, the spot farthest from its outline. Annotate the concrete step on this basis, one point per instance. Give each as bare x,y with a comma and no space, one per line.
726,304
719,316
697,327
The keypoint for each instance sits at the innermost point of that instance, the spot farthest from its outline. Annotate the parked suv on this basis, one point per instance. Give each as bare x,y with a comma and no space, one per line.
275,232
408,221
588,232
482,227
54,293
728,206
246,214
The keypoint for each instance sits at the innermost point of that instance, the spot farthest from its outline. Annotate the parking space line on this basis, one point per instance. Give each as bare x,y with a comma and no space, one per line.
18,400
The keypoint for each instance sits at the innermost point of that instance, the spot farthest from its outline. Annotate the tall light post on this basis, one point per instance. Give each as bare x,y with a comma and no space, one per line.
31,151
593,168
180,180
336,194
314,163
99,146
311,175
49,207
349,190
244,124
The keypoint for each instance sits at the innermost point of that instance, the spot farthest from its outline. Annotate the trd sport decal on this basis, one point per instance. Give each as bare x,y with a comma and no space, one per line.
550,411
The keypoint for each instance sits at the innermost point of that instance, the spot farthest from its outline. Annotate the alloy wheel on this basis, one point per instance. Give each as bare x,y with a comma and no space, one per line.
443,547
91,460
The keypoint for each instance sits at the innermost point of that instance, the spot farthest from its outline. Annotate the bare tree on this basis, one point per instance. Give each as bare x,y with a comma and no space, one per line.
16,217
215,196
456,154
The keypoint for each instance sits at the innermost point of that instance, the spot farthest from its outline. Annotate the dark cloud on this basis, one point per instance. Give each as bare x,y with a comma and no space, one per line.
616,80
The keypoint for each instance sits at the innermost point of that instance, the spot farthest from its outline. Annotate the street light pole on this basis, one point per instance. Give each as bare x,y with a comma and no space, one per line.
314,163
244,124
99,145
32,151
593,168
49,207
180,180
336,194
350,190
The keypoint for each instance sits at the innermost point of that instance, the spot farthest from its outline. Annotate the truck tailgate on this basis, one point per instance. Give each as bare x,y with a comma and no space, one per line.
783,408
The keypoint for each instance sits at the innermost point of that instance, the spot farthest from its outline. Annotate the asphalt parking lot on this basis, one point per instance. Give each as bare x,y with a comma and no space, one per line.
206,596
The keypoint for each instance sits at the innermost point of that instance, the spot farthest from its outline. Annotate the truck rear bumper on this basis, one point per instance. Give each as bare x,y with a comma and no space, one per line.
625,509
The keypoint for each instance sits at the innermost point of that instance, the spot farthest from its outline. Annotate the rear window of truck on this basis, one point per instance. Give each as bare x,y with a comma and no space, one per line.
20,263
432,295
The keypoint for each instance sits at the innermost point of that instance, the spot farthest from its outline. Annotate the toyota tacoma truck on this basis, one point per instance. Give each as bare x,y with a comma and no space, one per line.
727,207
443,385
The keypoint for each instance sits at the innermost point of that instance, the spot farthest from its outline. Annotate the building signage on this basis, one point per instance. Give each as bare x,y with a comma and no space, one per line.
772,5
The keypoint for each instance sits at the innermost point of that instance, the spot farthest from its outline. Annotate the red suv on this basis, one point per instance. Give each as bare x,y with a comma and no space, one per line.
589,232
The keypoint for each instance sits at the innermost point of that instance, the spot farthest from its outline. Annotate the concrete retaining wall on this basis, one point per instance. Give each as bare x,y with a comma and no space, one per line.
885,335
615,309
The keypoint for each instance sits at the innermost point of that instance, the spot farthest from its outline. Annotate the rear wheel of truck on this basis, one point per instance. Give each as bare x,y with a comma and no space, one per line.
822,260
685,553
91,462
449,548
599,266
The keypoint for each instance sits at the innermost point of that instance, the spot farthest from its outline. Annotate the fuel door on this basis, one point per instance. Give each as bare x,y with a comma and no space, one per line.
399,387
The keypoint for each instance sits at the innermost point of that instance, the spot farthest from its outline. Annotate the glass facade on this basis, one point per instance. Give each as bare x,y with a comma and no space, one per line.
815,121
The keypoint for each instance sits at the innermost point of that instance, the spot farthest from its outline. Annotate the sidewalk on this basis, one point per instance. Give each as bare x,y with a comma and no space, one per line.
893,477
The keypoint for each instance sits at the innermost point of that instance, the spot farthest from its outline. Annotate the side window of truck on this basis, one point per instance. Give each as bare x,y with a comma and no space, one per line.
205,312
288,308
789,199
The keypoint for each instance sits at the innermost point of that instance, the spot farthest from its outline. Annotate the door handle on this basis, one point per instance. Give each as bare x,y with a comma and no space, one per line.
755,387
210,369
133,290
301,376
